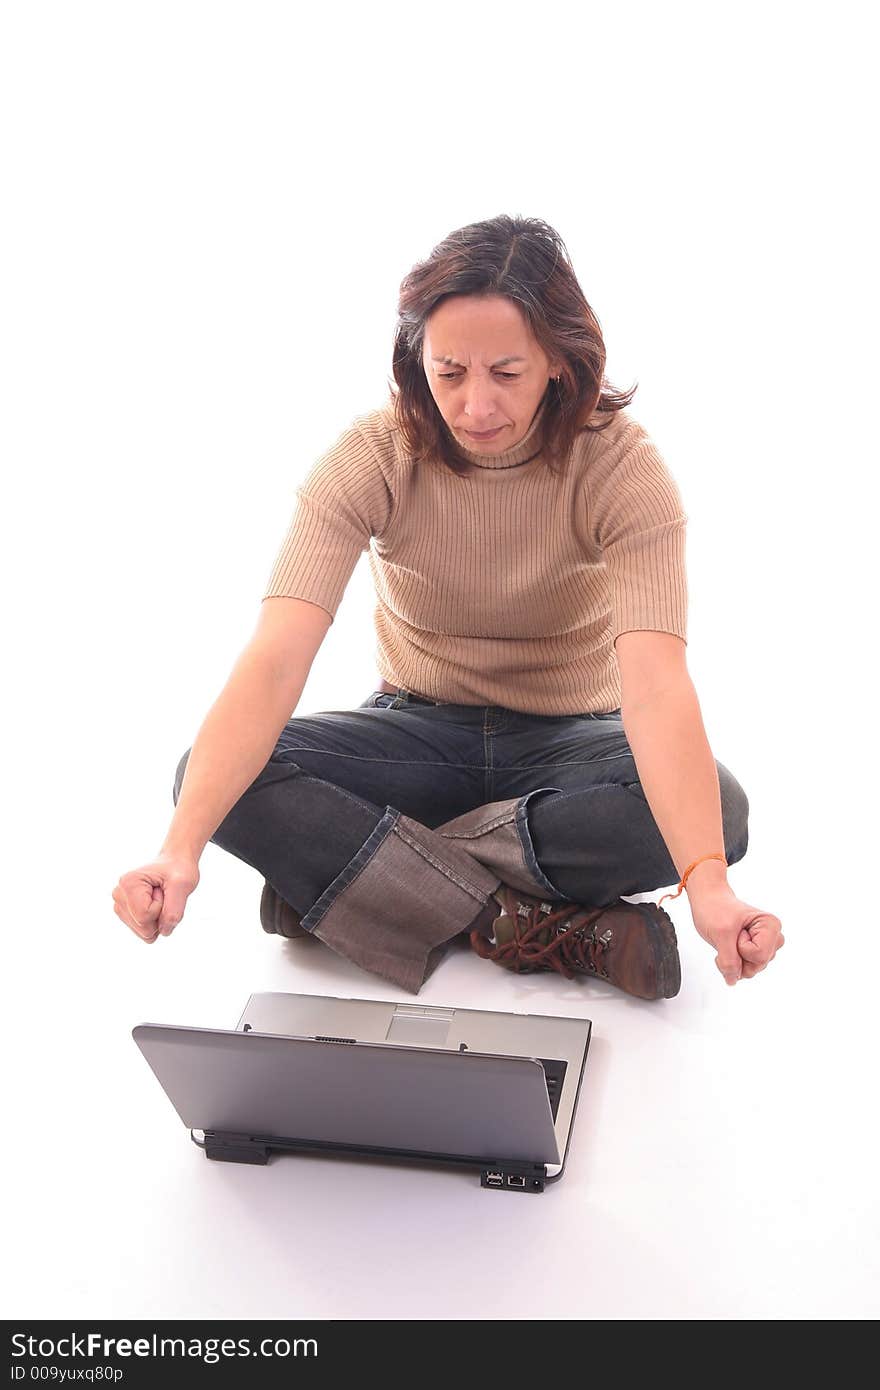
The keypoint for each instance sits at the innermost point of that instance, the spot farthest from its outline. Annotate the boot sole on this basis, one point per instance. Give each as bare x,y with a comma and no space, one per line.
664,945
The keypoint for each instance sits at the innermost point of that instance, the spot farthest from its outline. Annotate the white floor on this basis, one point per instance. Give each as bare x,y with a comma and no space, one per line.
723,1163
173,372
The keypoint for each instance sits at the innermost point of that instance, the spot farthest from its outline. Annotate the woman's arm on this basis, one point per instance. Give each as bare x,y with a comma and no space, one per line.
241,728
677,771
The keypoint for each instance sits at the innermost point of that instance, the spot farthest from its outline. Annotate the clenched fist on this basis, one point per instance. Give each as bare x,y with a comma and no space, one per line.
150,900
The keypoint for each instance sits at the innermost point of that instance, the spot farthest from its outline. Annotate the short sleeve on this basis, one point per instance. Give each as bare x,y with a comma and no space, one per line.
344,500
639,523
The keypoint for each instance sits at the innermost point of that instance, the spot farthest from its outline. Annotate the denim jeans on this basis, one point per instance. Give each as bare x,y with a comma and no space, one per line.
388,827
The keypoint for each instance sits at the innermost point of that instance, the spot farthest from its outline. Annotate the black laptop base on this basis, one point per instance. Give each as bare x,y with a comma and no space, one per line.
513,1175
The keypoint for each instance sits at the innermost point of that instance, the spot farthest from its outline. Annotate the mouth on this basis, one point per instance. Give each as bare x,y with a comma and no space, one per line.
489,434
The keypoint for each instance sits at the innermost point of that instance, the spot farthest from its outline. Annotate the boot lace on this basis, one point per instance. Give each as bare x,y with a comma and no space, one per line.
548,938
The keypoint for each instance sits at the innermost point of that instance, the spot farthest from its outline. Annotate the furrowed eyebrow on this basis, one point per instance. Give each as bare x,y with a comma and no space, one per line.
502,361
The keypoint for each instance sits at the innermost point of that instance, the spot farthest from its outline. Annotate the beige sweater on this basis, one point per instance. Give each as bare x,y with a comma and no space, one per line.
506,587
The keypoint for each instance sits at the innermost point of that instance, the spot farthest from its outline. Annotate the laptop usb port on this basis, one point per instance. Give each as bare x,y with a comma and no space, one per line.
513,1180
495,1179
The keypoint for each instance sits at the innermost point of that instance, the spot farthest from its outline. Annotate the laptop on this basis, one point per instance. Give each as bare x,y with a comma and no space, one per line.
471,1088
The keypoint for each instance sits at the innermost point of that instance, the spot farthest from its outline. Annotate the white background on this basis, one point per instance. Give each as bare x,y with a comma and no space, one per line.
208,209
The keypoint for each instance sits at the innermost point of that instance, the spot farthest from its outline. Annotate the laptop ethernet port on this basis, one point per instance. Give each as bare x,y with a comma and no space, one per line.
495,1179
514,1181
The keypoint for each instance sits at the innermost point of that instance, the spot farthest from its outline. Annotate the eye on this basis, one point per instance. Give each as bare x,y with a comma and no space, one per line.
451,376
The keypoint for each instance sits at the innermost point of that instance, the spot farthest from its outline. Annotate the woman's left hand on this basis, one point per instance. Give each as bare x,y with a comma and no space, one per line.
745,938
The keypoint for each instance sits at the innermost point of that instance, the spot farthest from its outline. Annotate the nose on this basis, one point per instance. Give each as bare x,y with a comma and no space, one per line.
480,407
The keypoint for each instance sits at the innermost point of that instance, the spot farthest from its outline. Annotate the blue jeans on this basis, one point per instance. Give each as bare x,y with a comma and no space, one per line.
388,827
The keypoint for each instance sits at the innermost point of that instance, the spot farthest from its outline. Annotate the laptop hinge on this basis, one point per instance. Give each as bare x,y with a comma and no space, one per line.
235,1148
512,1174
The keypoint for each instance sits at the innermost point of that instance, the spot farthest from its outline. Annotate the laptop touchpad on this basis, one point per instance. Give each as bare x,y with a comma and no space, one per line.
429,1026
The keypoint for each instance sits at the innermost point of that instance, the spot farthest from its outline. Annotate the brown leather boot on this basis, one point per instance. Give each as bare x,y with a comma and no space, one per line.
631,945
278,916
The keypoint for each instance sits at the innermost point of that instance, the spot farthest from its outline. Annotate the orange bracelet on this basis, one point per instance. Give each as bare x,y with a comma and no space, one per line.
688,870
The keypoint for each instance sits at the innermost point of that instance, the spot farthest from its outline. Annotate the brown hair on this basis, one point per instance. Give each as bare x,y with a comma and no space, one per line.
526,260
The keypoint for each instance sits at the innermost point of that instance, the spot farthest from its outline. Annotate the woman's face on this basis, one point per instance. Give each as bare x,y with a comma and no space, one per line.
485,369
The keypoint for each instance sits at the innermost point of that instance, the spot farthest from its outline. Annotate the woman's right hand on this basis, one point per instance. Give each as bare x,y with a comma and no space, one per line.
150,900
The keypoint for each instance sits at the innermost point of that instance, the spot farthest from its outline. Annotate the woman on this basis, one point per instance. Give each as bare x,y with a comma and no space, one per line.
534,747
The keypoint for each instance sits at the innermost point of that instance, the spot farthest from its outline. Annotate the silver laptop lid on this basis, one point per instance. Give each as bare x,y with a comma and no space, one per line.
560,1040
385,1095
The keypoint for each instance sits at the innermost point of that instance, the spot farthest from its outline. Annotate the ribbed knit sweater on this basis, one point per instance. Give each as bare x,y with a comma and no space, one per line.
507,586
